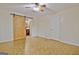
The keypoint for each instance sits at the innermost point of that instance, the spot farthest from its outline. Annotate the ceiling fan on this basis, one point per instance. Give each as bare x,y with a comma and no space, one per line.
37,6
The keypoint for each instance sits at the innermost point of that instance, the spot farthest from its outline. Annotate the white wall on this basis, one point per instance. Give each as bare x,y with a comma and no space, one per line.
48,27
34,27
40,25
70,26
63,26
5,26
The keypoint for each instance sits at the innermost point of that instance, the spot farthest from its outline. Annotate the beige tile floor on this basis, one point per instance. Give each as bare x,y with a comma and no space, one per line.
38,46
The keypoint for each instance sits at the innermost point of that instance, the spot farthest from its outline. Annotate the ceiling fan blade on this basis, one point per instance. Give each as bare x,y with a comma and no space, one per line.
27,7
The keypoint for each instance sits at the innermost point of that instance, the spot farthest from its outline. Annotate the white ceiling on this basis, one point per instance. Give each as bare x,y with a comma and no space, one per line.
54,7
62,6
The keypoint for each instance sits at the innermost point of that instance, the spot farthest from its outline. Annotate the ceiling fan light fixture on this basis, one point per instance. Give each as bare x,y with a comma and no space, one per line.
41,8
41,3
36,8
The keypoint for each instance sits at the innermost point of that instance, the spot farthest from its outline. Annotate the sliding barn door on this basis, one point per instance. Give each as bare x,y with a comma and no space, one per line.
19,27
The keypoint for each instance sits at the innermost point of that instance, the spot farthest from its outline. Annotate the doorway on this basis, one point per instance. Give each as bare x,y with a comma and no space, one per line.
28,22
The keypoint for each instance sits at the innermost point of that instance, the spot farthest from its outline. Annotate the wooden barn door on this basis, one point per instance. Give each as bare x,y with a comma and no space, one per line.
19,27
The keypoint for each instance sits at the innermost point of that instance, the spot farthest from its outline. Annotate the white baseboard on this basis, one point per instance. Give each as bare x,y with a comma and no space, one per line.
71,43
5,41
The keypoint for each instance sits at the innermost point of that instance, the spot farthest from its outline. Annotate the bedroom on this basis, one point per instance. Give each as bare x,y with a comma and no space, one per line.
57,25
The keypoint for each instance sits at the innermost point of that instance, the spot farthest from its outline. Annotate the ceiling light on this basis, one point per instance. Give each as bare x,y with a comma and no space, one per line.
39,7
41,3
36,8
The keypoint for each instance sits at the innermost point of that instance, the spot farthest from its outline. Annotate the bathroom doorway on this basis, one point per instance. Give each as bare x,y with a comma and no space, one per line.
28,22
